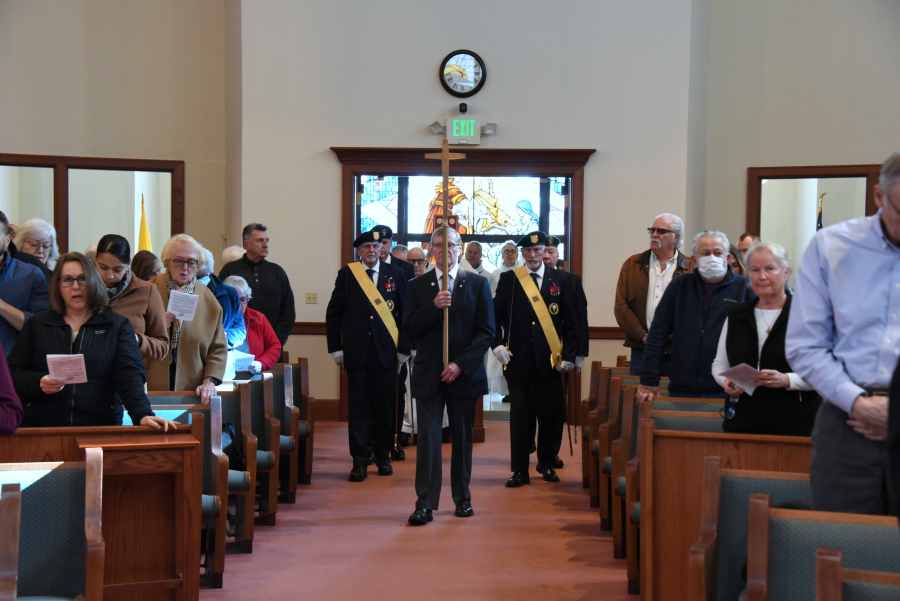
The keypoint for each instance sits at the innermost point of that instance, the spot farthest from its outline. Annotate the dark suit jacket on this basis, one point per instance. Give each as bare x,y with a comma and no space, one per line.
353,325
471,333
519,328
405,266
584,339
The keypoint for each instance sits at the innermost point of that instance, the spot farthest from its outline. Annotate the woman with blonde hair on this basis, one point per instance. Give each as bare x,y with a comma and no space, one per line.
38,238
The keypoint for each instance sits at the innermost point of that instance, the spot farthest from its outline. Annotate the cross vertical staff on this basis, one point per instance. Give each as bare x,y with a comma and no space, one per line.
445,156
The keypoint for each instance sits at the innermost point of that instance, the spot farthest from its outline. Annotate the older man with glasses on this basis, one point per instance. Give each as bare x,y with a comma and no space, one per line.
643,279
416,256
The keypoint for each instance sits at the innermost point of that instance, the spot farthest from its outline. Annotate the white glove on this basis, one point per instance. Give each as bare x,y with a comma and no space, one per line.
565,366
412,354
579,363
255,367
502,354
338,357
401,361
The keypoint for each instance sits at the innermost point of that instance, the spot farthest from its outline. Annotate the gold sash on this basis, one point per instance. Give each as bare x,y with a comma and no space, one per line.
371,292
543,315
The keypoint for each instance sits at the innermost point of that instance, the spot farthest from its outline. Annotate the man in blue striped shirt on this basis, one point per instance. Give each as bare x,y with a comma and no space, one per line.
844,338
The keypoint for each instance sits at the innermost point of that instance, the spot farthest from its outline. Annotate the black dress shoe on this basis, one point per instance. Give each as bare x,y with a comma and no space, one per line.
359,473
464,510
371,459
403,439
420,517
518,479
384,467
398,454
548,472
558,463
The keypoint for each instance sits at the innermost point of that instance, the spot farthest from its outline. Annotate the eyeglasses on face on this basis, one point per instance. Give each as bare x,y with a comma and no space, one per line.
416,261
192,263
36,245
659,230
509,251
440,245
67,281
244,299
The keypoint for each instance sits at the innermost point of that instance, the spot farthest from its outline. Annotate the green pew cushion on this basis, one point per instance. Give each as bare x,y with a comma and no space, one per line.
607,466
304,430
734,507
285,444
238,481
44,599
209,507
595,448
688,424
636,514
620,487
264,461
677,406
869,591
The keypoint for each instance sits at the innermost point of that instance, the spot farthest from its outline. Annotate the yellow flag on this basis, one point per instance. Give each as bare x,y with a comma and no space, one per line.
144,240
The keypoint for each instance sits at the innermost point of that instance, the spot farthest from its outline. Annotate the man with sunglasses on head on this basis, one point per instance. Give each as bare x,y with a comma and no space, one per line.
643,280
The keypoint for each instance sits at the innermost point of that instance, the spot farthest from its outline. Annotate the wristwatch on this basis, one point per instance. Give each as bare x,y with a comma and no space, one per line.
215,381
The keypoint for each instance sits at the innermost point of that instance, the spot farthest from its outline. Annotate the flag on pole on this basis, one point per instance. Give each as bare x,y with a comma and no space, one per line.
144,239
819,214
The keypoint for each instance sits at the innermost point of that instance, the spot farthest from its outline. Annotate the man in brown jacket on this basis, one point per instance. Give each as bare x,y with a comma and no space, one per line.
642,281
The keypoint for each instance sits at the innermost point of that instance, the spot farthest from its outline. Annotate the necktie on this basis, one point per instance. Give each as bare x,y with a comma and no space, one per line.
371,272
534,276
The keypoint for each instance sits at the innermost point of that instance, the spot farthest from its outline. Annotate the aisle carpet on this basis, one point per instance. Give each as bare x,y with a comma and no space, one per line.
344,540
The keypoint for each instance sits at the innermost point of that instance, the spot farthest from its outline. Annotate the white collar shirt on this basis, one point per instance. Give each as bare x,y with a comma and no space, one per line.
376,269
659,279
451,276
540,275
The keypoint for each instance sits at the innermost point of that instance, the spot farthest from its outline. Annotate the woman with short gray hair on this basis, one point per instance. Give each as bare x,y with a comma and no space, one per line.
38,238
262,342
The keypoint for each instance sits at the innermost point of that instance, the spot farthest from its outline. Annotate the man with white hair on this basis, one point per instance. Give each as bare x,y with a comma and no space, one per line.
643,279
473,260
232,253
692,311
232,318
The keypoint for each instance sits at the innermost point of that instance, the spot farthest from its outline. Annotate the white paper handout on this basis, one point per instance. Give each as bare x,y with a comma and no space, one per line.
182,305
242,361
744,376
67,368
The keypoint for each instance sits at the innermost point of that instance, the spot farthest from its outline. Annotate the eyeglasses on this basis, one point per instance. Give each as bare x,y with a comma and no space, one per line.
67,281
181,262
510,251
244,299
36,245
440,246
659,230
416,261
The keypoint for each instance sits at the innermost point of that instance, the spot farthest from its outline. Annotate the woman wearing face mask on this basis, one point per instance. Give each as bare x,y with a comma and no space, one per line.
132,297
754,332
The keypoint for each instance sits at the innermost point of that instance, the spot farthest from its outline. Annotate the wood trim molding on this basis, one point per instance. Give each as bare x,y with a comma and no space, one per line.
61,166
317,328
755,175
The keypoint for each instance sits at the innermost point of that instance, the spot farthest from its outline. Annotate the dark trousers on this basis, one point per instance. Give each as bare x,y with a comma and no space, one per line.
637,358
534,397
430,417
370,399
849,472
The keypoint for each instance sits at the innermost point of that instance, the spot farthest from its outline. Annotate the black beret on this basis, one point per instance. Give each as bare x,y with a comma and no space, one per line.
384,231
553,241
364,237
536,238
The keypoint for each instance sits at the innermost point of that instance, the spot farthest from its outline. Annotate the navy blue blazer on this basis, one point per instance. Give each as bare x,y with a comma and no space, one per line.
352,324
471,333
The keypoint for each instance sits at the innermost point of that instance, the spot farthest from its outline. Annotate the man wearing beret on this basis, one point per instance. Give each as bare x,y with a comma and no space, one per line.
537,340
363,322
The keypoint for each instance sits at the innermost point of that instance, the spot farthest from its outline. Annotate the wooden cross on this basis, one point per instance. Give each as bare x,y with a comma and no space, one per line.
445,156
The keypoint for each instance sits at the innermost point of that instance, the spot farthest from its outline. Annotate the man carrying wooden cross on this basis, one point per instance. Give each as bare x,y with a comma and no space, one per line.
362,323
536,339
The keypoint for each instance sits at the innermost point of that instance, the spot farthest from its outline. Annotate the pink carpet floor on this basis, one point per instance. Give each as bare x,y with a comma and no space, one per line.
344,540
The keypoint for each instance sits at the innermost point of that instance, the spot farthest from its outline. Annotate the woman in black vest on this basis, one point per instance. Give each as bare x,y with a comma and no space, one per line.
782,403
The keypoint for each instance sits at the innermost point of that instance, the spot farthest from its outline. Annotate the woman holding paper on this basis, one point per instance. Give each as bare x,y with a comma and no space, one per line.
198,351
133,298
93,347
262,342
753,334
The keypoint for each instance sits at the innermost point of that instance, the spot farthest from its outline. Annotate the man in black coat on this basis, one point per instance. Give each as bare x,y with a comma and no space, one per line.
362,325
534,359
457,386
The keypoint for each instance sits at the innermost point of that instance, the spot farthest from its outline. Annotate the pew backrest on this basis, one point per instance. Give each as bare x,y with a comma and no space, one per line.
836,583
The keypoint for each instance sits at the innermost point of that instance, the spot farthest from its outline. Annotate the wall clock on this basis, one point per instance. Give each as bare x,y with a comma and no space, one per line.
462,73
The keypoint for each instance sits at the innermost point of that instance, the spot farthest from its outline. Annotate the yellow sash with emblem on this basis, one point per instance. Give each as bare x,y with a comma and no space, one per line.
374,296
543,315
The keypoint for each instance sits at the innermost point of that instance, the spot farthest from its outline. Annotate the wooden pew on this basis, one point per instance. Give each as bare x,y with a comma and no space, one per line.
834,582
151,488
597,417
622,361
716,559
236,410
782,545
588,405
260,395
68,539
671,489
304,402
291,436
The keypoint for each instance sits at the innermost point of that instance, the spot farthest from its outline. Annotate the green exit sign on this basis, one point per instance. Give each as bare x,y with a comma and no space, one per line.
463,130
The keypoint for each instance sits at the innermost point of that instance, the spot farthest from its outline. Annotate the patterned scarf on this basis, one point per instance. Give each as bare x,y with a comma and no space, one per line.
116,290
177,324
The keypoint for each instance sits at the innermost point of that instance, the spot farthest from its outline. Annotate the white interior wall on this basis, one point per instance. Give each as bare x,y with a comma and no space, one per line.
26,193
845,198
113,193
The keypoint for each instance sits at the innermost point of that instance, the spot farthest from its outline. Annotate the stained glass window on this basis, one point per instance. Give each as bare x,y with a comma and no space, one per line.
491,210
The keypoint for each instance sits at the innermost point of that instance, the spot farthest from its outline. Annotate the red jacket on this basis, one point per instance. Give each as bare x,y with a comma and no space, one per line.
261,339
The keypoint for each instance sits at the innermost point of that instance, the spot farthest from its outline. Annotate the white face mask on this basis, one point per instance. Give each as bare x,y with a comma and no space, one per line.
712,268
204,280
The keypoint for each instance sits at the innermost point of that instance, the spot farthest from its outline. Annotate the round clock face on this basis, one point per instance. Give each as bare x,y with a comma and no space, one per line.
462,73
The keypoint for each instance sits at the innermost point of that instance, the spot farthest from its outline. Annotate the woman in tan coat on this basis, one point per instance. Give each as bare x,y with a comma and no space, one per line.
197,348
132,297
